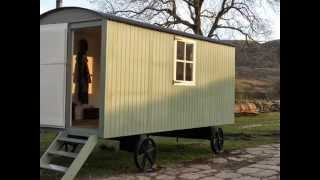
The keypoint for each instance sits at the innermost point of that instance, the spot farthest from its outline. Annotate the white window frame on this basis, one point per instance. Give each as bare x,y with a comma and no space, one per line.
194,62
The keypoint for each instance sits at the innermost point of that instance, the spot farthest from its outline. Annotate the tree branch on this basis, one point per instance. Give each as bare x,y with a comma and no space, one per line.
236,15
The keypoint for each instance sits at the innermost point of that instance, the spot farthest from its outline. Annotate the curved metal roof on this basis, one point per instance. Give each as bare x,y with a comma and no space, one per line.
137,23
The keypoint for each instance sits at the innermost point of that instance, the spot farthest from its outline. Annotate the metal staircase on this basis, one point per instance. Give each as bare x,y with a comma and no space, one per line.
76,148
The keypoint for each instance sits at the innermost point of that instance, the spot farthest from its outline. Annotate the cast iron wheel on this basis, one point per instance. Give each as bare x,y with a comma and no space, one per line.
145,154
217,141
220,139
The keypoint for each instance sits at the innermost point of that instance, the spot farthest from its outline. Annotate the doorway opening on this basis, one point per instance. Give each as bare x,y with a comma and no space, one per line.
86,62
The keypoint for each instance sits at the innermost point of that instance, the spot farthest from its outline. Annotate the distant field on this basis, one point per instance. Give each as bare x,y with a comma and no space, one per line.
257,83
248,131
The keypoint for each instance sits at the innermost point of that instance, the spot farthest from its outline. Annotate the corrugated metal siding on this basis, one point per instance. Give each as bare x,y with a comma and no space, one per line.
69,16
140,96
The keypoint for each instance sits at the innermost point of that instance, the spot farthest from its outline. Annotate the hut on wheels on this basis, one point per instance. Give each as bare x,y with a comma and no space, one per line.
108,77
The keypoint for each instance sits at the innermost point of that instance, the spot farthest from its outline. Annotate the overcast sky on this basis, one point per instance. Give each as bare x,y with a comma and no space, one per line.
46,5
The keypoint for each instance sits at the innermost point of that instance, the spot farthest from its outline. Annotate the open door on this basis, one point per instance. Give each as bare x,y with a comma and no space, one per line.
53,61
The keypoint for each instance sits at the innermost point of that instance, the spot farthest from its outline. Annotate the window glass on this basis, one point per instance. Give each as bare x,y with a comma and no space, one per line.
179,71
189,71
180,50
189,52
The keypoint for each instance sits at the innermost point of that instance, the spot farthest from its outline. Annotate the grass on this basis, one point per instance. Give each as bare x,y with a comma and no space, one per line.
248,131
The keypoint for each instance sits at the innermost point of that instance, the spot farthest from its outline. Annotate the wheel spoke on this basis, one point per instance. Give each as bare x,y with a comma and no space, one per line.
145,146
149,159
216,146
143,164
142,149
140,156
221,142
151,150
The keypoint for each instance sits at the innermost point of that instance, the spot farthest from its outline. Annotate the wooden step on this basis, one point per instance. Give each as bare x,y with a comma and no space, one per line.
72,140
81,132
78,158
63,153
54,167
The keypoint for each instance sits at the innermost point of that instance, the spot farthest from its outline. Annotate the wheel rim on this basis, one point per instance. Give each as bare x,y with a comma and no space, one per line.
145,154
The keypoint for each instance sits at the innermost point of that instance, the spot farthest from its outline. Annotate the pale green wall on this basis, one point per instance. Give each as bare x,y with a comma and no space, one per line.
140,97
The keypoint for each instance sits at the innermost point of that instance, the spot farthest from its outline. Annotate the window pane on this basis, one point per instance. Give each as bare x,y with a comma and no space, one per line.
189,72
180,50
179,71
189,52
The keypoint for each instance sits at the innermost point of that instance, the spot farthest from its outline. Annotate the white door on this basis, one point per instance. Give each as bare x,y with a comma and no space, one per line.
53,58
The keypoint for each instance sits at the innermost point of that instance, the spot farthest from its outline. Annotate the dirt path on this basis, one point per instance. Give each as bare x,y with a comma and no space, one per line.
262,162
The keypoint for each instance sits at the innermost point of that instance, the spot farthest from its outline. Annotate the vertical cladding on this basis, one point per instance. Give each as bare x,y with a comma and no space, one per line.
141,97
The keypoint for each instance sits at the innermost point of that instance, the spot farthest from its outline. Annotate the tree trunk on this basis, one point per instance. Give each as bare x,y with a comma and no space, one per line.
58,3
197,19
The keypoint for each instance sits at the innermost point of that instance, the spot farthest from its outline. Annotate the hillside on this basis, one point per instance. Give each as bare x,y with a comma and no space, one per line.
257,69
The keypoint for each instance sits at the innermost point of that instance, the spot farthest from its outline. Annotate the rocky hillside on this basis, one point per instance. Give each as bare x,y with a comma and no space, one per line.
257,70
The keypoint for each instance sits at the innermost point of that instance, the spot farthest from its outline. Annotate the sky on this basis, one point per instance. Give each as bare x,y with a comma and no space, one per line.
46,5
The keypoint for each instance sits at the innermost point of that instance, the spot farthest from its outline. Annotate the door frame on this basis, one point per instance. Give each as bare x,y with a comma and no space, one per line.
70,43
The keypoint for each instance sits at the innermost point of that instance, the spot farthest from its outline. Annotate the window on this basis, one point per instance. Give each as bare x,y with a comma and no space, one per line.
185,60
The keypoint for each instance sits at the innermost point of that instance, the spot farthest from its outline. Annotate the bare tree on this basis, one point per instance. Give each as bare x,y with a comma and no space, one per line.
58,3
210,18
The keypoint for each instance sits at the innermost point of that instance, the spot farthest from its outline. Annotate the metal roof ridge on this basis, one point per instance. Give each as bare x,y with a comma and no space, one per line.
113,17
